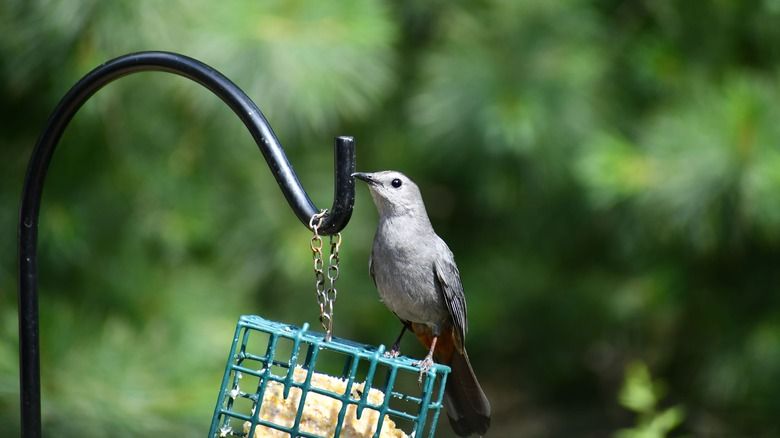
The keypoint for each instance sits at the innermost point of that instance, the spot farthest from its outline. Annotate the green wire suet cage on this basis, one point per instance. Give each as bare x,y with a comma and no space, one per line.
266,353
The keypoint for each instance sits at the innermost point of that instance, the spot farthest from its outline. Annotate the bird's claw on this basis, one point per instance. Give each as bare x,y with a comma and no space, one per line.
425,366
393,352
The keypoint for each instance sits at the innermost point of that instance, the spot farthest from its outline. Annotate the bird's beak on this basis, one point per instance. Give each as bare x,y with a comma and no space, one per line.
365,177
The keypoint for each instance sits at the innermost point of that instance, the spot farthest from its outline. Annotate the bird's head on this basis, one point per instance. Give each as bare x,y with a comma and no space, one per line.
393,193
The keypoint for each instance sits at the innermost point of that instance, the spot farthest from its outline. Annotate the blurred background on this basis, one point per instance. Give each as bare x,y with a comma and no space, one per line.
607,174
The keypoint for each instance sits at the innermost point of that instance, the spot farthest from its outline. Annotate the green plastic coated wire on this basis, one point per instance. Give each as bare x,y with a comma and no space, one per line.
278,361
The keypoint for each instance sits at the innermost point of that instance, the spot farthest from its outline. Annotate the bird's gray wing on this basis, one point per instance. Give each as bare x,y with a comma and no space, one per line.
448,282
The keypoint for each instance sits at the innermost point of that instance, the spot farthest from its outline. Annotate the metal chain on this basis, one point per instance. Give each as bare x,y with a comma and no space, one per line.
325,297
333,273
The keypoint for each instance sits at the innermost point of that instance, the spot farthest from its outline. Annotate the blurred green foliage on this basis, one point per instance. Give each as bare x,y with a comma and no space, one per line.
642,395
606,172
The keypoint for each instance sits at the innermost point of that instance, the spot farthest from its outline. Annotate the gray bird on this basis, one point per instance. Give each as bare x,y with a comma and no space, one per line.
417,279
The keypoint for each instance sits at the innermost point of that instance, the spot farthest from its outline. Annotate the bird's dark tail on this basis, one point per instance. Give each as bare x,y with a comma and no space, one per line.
466,403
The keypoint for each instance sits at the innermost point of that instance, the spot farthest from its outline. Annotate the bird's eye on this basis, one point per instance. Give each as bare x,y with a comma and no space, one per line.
396,183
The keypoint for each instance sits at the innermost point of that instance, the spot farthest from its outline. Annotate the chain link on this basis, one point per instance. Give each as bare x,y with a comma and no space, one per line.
325,297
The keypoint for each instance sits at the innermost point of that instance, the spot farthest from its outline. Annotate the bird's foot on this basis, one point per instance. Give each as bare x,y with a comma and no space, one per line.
425,366
393,352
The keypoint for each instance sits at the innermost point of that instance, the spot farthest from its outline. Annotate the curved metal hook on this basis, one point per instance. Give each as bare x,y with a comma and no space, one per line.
335,220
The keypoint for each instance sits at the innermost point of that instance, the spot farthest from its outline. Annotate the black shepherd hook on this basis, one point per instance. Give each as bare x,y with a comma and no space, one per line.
334,221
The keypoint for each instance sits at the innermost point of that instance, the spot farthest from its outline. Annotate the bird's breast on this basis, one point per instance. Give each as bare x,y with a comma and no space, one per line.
403,271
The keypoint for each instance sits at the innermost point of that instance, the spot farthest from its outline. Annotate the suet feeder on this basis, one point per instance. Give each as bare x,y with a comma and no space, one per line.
272,380
280,379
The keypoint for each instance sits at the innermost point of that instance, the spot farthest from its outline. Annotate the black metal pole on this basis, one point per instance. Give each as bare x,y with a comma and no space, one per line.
245,109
